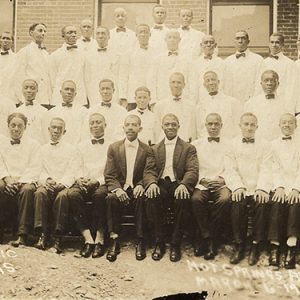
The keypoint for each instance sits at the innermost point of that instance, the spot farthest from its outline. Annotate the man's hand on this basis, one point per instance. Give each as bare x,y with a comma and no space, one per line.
182,192
293,197
238,195
50,185
122,195
279,195
216,183
261,196
205,182
138,191
11,189
152,191
59,187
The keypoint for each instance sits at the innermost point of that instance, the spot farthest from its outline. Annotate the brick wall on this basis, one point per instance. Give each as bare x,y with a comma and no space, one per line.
287,23
55,14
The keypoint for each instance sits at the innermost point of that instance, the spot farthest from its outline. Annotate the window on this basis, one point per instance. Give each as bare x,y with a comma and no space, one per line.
255,17
7,15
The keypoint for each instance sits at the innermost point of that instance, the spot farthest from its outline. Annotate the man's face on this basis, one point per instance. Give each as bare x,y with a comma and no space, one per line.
142,99
102,37
97,126
211,82
39,33
132,128
16,128
56,130
275,45
172,39
287,125
143,35
159,15
106,91
186,17
176,85
241,41
120,17
213,125
68,91
5,41
248,126
269,83
29,90
86,28
170,127
208,45
70,35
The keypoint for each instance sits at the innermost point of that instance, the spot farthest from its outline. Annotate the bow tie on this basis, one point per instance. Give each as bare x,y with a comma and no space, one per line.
54,143
172,53
216,139
42,47
159,27
270,96
285,138
66,104
185,28
86,40
121,29
99,141
274,56
213,93
248,140
144,47
4,53
102,49
15,142
140,111
72,47
208,57
238,55
28,103
176,98
106,104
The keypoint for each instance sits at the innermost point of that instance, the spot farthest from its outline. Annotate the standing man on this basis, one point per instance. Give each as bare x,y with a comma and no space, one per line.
67,63
86,41
241,69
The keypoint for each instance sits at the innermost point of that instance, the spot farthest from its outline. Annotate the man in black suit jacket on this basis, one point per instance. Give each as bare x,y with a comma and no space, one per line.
177,167
126,179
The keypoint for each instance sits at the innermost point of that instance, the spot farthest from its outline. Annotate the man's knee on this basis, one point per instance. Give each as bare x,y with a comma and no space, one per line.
28,188
112,200
198,197
224,195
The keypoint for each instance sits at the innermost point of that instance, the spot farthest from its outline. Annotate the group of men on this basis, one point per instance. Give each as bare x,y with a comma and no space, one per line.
149,121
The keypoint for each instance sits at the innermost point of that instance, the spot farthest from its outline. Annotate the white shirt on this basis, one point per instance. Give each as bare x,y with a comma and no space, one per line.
157,39
131,149
241,74
34,63
248,166
211,156
170,147
185,112
93,159
227,107
59,162
68,65
87,45
35,115
21,161
122,42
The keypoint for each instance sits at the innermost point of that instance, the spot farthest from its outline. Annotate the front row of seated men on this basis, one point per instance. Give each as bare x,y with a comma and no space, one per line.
211,179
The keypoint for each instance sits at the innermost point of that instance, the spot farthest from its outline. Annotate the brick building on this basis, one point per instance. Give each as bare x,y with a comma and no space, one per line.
219,17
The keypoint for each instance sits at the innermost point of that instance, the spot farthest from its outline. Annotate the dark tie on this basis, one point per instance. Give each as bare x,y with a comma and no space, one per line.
185,28
4,53
72,47
66,104
213,93
144,47
238,55
141,112
159,27
106,104
248,140
270,96
216,139
274,56
208,57
176,98
99,141
42,47
285,138
86,40
172,53
28,103
102,49
121,29
15,142
53,143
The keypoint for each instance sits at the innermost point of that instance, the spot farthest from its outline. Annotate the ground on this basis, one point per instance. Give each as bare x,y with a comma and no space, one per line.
28,273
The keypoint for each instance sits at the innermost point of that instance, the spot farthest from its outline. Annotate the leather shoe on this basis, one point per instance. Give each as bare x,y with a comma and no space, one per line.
140,251
99,250
113,250
238,254
159,251
175,253
254,255
41,243
21,241
211,253
290,259
57,246
274,256
87,250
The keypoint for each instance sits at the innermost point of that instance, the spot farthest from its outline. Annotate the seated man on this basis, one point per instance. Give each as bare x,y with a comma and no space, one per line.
247,165
177,167
89,186
59,167
284,226
20,167
125,177
212,186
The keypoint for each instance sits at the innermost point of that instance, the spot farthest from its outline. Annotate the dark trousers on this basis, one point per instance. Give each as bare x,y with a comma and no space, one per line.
78,199
50,206
21,205
211,218
239,219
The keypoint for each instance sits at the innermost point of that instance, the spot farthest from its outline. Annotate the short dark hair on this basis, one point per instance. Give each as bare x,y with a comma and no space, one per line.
170,115
134,116
243,31
32,27
280,35
107,80
8,32
248,114
17,115
142,89
272,72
